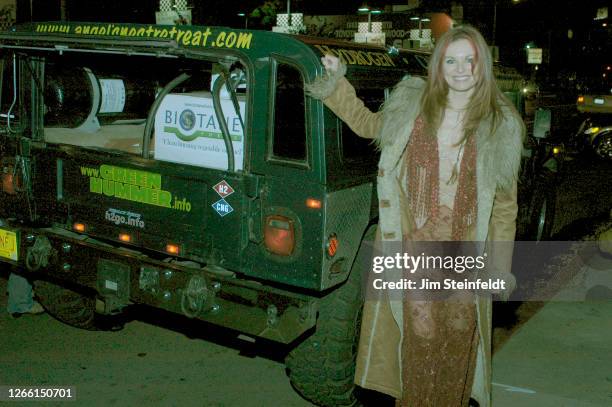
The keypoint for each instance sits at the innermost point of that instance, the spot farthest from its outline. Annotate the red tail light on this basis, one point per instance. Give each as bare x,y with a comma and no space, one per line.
332,245
279,235
10,182
7,184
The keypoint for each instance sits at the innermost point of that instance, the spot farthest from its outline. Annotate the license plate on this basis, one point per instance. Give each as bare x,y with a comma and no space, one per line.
8,244
598,101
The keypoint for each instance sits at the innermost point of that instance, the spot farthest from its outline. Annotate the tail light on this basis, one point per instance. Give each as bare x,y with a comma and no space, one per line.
11,182
172,248
332,245
279,235
313,203
79,227
8,184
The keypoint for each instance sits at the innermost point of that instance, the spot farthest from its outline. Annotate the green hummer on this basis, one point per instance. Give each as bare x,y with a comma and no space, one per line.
184,167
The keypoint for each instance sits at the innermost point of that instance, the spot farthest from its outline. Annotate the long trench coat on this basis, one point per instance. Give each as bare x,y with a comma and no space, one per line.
379,361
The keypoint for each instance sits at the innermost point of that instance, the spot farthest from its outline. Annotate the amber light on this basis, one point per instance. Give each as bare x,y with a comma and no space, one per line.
332,245
11,183
124,237
580,99
79,227
7,184
279,235
313,203
556,150
172,249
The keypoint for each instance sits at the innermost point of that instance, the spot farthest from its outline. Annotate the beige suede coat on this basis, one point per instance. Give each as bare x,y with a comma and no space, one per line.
498,160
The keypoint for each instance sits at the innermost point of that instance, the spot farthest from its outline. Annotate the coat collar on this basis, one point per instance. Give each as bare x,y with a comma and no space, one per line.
498,154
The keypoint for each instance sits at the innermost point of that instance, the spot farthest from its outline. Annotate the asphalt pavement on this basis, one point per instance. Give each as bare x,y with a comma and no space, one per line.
561,356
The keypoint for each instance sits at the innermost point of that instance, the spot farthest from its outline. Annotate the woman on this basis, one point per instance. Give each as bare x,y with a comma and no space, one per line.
450,153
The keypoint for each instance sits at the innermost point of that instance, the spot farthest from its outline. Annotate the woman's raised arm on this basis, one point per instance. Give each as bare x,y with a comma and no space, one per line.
339,95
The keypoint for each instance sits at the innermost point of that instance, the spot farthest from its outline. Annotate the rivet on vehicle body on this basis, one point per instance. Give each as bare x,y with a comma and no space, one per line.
272,315
30,238
66,247
167,295
66,267
272,310
167,274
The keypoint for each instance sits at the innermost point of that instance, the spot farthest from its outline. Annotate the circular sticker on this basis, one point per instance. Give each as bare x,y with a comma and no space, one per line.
187,120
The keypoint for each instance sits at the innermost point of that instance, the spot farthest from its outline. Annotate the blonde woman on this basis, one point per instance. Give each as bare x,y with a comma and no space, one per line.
450,153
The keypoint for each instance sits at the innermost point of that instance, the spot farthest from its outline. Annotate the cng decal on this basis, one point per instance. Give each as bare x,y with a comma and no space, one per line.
223,189
222,207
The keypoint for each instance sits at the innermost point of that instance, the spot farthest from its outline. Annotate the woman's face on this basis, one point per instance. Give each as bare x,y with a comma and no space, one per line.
458,66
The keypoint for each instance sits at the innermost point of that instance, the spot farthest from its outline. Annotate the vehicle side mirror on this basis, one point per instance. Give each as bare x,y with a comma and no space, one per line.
541,123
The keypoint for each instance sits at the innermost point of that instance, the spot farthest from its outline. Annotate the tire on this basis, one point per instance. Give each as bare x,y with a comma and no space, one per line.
66,305
322,368
542,209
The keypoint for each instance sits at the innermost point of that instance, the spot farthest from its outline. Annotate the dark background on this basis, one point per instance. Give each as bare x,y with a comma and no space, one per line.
576,63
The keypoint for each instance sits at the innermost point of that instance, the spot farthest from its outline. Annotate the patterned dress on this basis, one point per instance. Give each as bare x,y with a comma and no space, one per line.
440,339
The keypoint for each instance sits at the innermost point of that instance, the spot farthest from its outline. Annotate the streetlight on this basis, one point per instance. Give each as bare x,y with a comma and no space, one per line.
246,19
365,9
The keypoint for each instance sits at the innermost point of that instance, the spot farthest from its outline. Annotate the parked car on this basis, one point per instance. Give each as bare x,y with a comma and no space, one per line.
597,124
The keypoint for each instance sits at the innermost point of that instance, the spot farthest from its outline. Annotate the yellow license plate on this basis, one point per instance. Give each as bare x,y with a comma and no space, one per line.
8,244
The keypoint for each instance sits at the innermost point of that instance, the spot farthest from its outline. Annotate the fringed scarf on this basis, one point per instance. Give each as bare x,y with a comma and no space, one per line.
423,179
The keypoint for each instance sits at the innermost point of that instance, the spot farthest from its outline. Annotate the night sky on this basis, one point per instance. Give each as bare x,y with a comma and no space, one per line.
543,23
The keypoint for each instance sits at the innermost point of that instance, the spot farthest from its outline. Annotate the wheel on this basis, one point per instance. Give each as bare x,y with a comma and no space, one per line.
322,368
602,146
542,209
66,305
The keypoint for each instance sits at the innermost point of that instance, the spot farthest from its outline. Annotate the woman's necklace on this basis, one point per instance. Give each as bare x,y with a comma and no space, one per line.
455,170
451,126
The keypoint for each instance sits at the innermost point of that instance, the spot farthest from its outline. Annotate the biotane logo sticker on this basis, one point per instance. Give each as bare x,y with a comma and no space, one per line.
189,125
223,189
222,207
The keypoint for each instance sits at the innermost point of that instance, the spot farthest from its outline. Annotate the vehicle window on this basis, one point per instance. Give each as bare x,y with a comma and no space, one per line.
289,139
354,148
105,104
11,106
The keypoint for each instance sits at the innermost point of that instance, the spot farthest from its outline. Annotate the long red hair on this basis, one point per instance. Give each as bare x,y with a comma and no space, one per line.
486,99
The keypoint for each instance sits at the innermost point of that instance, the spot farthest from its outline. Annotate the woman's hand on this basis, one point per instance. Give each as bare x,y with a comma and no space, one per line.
331,63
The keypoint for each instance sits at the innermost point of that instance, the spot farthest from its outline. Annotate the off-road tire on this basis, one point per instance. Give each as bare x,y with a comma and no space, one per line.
66,305
322,368
542,208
